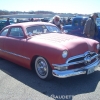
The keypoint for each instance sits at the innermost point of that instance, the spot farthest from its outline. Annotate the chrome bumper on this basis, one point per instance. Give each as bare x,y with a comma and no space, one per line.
78,71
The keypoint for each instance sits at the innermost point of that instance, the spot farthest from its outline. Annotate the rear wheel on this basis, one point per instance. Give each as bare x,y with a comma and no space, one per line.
43,68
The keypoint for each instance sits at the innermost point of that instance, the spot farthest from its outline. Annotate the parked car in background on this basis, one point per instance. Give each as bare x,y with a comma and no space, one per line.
45,19
42,46
98,25
2,24
76,27
3,21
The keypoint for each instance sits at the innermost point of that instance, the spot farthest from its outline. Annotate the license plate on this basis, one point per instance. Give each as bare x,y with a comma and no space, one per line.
91,70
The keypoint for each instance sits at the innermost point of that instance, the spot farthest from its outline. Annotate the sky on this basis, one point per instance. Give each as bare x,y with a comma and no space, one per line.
57,6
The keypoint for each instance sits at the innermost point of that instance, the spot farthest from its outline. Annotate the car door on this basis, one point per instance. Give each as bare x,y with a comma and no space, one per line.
13,45
98,27
3,35
76,27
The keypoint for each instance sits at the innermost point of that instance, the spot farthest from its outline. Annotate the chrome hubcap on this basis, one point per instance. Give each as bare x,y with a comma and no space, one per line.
42,67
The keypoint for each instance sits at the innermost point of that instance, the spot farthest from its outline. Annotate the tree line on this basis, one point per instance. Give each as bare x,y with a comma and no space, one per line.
5,12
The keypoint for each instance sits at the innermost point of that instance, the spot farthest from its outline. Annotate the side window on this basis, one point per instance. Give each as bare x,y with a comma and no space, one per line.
76,23
16,32
35,30
4,32
83,22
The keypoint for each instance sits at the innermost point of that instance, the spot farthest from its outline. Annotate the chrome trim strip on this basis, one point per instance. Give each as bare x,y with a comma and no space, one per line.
74,72
15,54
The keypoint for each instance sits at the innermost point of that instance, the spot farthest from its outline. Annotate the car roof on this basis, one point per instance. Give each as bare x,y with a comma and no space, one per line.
26,24
80,17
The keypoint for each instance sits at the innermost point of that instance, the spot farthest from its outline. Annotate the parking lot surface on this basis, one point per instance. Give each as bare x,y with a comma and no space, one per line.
19,83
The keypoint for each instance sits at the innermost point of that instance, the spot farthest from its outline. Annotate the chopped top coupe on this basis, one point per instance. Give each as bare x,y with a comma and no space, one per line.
43,47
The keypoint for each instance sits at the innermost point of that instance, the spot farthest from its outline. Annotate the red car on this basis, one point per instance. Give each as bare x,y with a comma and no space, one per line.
42,46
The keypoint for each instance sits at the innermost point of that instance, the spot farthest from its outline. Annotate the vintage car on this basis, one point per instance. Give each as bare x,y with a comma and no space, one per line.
77,26
98,25
43,47
3,21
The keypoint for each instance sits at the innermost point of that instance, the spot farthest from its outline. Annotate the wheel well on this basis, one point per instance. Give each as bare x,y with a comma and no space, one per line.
33,62
48,75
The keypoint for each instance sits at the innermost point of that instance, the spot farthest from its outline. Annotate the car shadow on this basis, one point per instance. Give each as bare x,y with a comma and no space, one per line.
56,87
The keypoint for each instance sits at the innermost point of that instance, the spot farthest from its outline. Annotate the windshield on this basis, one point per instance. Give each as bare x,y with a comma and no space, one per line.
98,22
42,29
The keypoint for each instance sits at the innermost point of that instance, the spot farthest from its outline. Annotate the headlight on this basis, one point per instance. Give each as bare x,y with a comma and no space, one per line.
64,54
65,31
98,46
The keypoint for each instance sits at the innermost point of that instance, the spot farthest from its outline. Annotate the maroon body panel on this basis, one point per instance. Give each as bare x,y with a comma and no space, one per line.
50,46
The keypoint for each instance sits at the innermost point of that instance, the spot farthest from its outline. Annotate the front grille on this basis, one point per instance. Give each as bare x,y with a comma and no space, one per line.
82,59
76,59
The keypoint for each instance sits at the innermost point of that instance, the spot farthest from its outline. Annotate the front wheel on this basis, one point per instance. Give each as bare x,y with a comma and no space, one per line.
43,68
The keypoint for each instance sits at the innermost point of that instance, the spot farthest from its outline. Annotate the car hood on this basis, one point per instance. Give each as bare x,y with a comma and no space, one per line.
74,44
67,27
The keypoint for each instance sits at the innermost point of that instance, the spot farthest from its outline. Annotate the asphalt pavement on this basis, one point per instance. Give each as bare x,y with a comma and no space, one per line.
19,83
